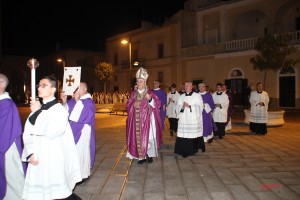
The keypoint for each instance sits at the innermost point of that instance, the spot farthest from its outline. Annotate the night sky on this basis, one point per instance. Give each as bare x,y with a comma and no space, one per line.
34,27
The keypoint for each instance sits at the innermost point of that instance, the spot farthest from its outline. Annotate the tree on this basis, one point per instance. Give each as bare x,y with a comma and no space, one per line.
274,53
104,72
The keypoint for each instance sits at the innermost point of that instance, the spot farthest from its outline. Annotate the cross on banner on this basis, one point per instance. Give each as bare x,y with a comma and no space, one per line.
71,79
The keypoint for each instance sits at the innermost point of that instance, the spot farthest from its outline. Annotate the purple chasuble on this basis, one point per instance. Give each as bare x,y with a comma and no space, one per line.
10,132
208,122
87,116
162,96
144,120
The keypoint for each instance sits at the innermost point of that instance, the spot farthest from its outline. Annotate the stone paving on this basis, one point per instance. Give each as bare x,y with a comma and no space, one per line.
240,166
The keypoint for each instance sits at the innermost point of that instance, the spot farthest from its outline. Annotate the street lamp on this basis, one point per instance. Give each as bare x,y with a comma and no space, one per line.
63,62
125,42
58,81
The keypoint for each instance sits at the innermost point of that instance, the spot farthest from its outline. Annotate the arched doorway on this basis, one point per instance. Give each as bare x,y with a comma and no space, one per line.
287,87
238,85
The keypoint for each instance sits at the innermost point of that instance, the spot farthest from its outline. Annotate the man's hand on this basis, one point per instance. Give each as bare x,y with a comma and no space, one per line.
63,98
261,104
34,105
186,105
33,161
217,105
147,96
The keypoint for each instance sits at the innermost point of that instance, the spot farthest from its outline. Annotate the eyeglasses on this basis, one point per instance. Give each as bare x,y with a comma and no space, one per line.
42,85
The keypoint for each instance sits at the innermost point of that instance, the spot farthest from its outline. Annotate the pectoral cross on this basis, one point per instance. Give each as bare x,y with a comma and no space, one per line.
70,80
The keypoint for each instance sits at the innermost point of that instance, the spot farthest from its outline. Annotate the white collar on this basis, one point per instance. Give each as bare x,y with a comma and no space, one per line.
203,92
5,95
86,96
141,91
48,100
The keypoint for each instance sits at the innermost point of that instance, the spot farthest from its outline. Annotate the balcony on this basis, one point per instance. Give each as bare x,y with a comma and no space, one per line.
230,46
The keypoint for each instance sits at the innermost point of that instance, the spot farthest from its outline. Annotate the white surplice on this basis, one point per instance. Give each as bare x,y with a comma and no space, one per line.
190,123
259,114
58,169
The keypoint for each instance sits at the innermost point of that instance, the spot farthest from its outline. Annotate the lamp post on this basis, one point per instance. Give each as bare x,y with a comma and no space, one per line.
62,61
124,42
58,81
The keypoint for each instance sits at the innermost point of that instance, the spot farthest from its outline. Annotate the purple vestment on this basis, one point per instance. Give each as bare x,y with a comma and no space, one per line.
208,121
144,120
162,96
87,116
10,132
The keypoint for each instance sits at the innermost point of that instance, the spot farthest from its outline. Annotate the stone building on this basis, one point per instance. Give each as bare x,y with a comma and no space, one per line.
212,41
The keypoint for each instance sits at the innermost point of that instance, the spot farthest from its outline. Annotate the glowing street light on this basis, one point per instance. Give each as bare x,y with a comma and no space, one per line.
125,42
62,61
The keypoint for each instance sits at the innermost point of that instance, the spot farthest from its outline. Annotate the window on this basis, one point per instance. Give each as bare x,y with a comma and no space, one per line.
160,50
135,55
287,70
116,62
236,73
298,23
160,77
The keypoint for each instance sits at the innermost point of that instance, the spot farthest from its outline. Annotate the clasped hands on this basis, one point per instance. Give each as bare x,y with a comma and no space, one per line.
260,104
186,105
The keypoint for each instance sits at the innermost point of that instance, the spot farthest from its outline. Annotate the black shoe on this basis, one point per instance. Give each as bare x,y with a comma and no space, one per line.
142,161
184,156
149,159
220,137
210,140
171,133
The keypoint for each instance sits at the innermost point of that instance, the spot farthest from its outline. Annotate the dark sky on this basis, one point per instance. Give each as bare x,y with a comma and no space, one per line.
33,27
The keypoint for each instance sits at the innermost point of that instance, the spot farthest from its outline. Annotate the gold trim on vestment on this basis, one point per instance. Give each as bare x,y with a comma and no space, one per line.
137,103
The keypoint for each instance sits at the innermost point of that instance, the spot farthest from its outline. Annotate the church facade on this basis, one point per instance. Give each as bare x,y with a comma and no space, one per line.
212,41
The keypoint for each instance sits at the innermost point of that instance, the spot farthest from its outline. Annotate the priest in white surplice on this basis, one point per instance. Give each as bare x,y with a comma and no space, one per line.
190,127
259,101
220,112
172,98
49,147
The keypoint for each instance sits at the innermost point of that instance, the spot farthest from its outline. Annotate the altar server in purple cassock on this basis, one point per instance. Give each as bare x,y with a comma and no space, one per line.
81,110
162,96
143,124
208,122
11,168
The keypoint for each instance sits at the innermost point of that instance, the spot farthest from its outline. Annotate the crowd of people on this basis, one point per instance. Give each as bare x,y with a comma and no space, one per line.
197,115
110,97
56,150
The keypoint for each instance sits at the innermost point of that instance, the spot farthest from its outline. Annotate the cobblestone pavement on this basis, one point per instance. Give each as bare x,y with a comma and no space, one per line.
240,166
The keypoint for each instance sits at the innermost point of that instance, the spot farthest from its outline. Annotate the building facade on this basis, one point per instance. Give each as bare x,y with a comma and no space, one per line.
212,41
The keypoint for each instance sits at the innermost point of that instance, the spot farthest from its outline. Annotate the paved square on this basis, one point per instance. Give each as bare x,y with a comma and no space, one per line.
240,166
